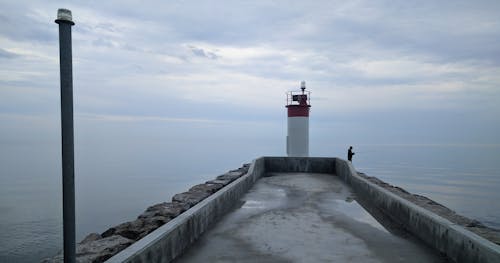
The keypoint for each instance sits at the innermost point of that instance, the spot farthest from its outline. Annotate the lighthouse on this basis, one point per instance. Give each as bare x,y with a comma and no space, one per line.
297,139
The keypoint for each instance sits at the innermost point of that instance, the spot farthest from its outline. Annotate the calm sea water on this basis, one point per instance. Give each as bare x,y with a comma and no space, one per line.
119,176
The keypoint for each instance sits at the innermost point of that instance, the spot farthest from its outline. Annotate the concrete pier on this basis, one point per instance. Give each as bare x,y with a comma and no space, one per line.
309,214
304,217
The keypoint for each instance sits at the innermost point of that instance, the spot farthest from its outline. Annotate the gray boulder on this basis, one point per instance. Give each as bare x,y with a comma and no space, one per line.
190,198
231,175
138,228
165,209
216,181
91,237
208,188
102,249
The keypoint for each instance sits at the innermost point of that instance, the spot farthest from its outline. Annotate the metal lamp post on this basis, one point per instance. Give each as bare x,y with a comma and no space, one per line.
64,19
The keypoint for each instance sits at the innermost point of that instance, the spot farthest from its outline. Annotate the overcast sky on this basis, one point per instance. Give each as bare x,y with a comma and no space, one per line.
379,71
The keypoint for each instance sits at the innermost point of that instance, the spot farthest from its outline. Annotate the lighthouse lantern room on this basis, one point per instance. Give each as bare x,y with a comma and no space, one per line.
297,139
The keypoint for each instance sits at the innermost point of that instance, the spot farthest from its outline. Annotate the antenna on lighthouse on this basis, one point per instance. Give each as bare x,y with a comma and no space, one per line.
303,86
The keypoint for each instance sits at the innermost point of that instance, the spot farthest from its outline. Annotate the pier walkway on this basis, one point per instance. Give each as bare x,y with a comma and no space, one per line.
305,217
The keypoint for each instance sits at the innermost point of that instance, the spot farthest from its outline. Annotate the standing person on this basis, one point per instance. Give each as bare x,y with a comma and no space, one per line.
350,153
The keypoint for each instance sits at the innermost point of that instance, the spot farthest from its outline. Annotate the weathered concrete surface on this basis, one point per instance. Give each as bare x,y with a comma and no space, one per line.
303,218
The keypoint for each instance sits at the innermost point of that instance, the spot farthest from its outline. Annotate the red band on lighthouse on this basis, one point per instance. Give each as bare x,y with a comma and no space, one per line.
298,111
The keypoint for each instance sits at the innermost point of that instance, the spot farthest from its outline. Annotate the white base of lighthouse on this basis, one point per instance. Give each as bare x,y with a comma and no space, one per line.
297,140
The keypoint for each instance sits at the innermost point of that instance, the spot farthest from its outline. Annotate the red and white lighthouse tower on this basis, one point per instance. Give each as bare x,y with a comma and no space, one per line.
297,139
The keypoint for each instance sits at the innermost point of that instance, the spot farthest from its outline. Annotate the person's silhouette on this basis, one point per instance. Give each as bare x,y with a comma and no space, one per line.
350,153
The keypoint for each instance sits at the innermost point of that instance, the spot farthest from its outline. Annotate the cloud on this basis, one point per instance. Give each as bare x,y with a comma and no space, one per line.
200,52
101,42
138,118
5,54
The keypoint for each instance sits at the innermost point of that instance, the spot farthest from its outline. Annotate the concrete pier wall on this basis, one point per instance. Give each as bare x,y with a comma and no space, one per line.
449,238
170,240
300,164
